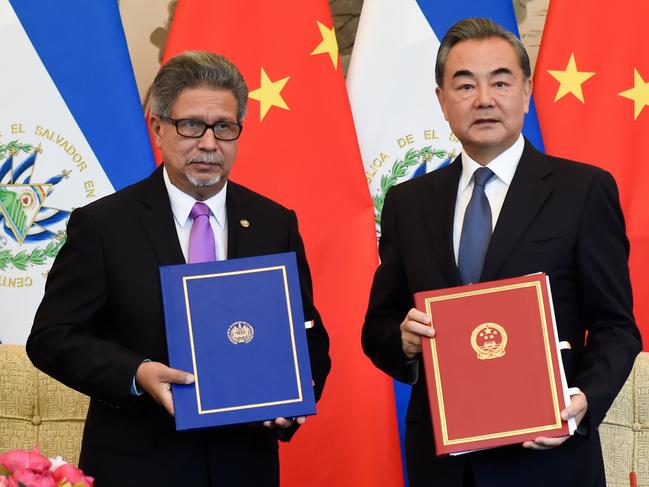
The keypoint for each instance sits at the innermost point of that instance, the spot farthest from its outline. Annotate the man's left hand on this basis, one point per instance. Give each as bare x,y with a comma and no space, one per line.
284,423
576,409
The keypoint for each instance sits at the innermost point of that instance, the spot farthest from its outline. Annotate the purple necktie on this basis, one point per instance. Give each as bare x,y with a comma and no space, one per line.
201,238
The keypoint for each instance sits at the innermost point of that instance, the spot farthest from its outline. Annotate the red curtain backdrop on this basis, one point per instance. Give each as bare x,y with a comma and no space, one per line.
592,95
299,148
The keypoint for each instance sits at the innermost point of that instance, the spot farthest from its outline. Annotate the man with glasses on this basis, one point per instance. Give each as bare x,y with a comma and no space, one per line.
100,326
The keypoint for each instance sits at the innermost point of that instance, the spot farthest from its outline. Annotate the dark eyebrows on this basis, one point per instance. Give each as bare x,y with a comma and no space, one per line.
463,73
501,71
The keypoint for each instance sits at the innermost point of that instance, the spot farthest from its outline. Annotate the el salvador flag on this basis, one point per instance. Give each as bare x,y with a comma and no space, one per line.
71,131
391,83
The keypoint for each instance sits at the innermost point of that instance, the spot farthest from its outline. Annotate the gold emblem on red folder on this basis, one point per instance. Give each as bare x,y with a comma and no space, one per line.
240,332
489,341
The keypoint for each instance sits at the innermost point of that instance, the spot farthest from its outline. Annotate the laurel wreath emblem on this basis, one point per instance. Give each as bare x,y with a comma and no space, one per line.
37,256
413,157
14,147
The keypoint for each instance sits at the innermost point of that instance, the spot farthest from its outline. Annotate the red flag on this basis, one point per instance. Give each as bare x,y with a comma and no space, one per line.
592,95
299,148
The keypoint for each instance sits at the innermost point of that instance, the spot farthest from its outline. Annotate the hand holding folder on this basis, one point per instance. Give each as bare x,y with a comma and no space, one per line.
156,379
577,409
238,326
493,371
415,325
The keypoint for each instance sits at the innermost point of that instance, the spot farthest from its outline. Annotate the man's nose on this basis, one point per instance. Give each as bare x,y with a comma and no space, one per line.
208,141
484,96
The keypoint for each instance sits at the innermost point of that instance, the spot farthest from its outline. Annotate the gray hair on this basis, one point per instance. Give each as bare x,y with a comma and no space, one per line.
197,69
478,28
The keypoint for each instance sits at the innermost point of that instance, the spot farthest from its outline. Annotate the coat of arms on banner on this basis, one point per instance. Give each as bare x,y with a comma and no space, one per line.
410,161
45,172
31,232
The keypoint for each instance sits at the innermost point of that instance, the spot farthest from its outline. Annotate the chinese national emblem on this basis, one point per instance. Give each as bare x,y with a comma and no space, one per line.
240,332
489,341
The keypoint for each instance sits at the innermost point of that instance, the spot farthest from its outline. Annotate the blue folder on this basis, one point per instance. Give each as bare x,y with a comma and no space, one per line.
238,326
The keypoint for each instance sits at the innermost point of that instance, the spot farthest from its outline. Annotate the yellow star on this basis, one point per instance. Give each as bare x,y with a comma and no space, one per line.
570,80
269,94
328,45
639,94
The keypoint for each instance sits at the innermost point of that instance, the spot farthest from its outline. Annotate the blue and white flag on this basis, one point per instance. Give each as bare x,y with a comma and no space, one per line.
391,84
71,131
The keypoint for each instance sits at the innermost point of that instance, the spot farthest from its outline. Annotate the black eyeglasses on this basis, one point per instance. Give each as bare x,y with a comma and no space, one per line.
195,129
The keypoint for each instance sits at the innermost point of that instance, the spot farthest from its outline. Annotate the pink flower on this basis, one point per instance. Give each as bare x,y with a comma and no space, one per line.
31,478
4,481
72,474
22,459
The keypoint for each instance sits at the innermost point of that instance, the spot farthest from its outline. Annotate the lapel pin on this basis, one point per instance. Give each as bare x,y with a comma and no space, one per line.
244,223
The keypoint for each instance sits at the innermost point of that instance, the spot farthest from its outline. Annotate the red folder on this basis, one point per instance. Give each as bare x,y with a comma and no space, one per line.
493,370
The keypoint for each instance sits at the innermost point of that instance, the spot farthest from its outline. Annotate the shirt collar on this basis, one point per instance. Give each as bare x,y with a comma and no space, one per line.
182,203
504,166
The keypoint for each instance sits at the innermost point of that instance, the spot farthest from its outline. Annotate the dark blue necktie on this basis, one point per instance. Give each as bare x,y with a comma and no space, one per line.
476,229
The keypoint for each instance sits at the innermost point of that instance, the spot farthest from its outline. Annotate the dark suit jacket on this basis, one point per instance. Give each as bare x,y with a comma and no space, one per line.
559,217
102,315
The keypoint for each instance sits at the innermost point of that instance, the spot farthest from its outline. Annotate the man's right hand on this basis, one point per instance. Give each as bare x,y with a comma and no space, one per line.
156,379
415,325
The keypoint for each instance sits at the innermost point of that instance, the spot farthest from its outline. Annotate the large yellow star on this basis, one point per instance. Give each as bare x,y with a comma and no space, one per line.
639,94
269,94
570,80
329,44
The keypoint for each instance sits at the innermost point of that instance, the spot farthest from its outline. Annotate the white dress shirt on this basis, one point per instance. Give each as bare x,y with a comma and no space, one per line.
504,166
181,206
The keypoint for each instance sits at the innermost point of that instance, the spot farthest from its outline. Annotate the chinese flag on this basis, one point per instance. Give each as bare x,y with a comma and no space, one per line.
592,96
299,148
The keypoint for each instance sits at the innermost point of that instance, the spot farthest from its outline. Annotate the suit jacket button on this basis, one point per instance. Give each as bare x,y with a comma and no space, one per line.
36,420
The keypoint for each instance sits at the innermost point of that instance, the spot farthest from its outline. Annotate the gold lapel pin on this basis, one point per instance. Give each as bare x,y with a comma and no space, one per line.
244,223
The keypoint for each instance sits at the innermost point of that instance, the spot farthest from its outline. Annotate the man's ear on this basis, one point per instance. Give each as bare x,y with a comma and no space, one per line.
156,129
440,98
527,91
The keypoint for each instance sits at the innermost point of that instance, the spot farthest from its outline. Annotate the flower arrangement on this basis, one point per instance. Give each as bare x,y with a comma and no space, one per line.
21,468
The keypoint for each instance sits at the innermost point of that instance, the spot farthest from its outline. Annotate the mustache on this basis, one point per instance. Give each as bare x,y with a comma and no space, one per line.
209,158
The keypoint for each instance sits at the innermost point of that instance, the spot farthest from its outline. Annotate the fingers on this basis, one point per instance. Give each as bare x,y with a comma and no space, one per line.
543,443
150,372
418,317
415,325
156,379
175,376
284,423
165,399
577,408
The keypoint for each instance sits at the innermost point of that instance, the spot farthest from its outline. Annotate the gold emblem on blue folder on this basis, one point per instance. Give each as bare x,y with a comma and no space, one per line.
240,332
489,341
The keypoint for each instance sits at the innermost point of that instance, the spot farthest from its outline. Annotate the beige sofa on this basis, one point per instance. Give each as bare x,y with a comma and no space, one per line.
625,430
36,410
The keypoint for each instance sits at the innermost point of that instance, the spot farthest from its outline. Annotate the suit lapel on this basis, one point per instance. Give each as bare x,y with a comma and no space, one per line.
525,197
240,240
438,209
158,222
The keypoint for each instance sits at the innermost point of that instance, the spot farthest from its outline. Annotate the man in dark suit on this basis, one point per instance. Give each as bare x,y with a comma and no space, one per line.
100,326
546,214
